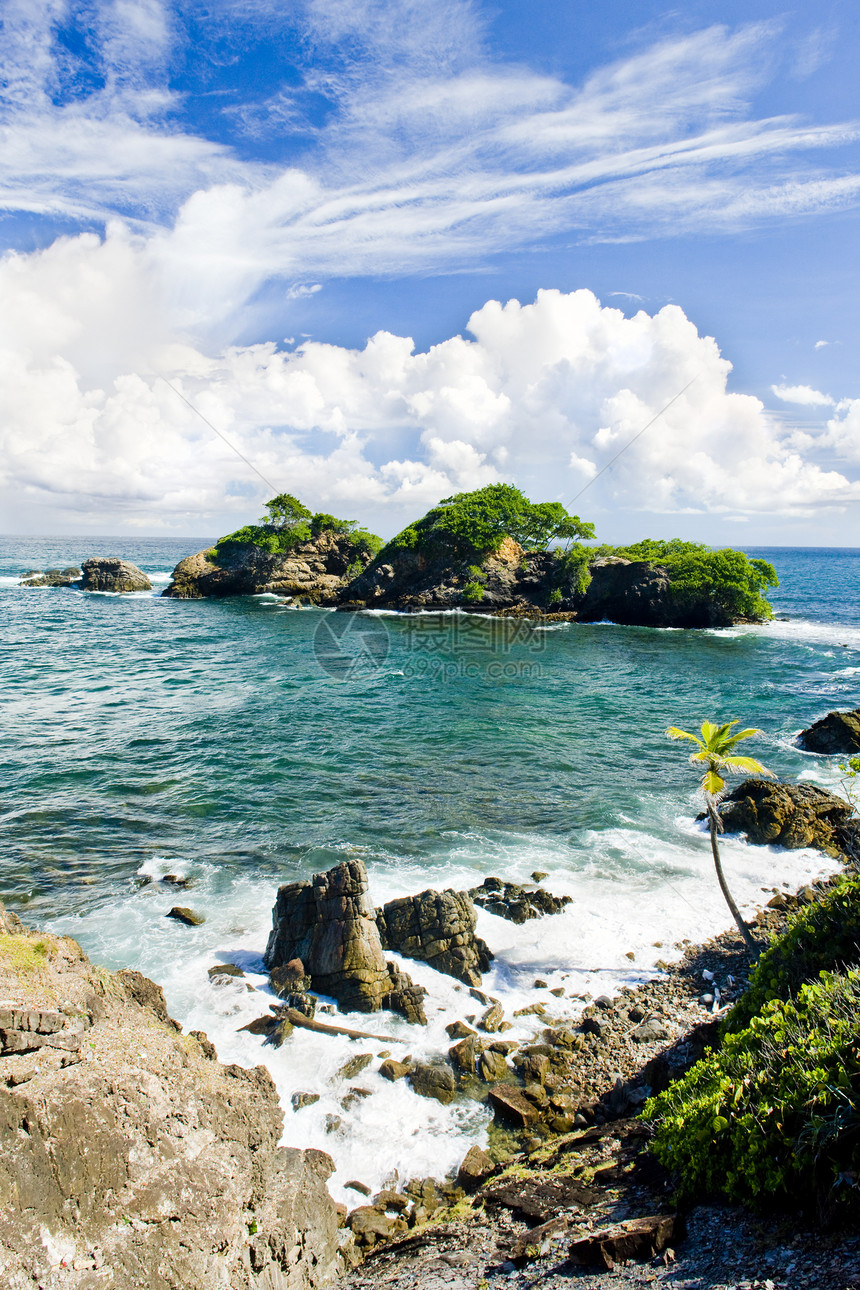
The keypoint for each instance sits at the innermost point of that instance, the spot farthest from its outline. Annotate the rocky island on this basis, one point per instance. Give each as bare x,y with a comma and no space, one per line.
490,551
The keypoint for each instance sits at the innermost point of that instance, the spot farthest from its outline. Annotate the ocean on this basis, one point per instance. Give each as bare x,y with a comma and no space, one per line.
244,744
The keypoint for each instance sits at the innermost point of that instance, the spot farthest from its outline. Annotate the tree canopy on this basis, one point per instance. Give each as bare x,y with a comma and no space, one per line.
288,523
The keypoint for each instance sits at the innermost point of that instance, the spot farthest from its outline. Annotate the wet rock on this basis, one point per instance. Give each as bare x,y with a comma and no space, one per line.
391,1200
51,577
458,1030
512,1105
476,1166
491,1021
329,924
492,1066
306,1004
110,573
837,733
301,1100
360,1187
433,1081
464,1055
355,1066
538,875
517,904
438,928
405,997
394,1070
224,970
636,1238
265,1025
791,815
187,916
290,978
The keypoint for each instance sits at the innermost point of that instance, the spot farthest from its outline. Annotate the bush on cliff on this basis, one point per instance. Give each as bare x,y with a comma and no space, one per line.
822,937
288,524
469,526
698,572
774,1116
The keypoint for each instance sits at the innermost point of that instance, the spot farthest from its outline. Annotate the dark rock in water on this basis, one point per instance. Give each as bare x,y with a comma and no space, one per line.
184,915
492,1066
394,1070
511,1104
438,928
639,594
290,978
224,970
433,1081
837,733
301,1100
476,1166
458,1030
517,904
110,573
790,815
51,577
355,1066
405,997
329,924
305,1004
464,1055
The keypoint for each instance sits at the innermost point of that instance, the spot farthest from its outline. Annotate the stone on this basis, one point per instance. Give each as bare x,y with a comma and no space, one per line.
433,1081
649,1032
301,1100
391,1200
369,1225
110,573
477,1165
187,916
534,1068
591,1026
438,928
290,978
538,875
464,1055
355,1066
51,577
637,593
150,1163
224,970
512,1105
394,1070
492,1066
836,734
305,1004
517,904
790,815
491,1021
329,924
360,1187
458,1030
636,1238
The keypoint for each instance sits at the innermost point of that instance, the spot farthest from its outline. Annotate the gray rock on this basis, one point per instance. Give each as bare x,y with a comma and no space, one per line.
436,927
315,572
433,1081
110,573
791,815
477,1165
183,914
836,734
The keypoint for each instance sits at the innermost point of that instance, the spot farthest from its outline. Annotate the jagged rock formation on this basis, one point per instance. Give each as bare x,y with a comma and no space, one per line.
315,571
110,573
791,815
51,577
637,593
329,925
517,904
130,1157
837,733
436,927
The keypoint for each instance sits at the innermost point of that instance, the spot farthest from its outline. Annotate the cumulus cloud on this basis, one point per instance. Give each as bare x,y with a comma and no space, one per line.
543,394
803,394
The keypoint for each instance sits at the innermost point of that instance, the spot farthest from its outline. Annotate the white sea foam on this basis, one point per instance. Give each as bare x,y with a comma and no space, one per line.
631,892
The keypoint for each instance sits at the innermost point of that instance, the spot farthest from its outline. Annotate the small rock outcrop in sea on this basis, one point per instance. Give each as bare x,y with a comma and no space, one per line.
637,593
837,733
329,925
436,927
51,577
131,1157
517,904
315,571
110,573
790,815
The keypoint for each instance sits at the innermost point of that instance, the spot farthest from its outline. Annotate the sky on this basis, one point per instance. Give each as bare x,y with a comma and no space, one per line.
376,252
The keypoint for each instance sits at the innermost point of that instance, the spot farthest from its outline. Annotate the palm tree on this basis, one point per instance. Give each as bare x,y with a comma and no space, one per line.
715,749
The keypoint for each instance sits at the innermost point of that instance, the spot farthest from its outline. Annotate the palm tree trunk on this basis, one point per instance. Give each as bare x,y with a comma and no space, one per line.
752,948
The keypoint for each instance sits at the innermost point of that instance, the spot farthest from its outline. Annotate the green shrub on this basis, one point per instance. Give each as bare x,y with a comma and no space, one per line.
288,524
473,593
774,1116
572,574
822,937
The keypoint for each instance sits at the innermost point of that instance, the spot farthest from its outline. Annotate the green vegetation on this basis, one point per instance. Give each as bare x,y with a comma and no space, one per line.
469,526
774,1116
822,937
288,524
715,750
728,578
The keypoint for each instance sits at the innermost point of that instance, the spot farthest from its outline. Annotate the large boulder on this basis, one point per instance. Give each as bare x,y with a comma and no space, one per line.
436,927
329,923
130,1157
315,571
837,733
790,815
110,573
637,593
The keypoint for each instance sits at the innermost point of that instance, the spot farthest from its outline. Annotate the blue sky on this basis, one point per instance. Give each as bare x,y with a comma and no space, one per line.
392,250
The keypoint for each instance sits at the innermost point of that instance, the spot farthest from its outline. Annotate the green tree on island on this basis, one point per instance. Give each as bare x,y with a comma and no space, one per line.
716,750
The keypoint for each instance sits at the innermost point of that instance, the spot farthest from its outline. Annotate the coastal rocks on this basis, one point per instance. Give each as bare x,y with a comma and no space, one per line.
329,924
433,1081
790,815
51,577
438,928
517,904
477,1165
315,571
837,733
635,1238
130,1157
512,1105
110,573
182,914
639,594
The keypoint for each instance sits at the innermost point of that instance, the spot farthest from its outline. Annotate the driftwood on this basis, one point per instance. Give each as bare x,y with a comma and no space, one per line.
297,1018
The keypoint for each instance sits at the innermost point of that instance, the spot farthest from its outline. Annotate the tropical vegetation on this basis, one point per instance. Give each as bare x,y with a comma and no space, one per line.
288,524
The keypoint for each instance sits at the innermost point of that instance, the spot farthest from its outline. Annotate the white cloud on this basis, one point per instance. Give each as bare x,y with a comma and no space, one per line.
543,394
803,394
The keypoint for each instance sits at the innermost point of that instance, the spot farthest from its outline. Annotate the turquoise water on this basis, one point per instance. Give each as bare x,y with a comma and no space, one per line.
143,736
